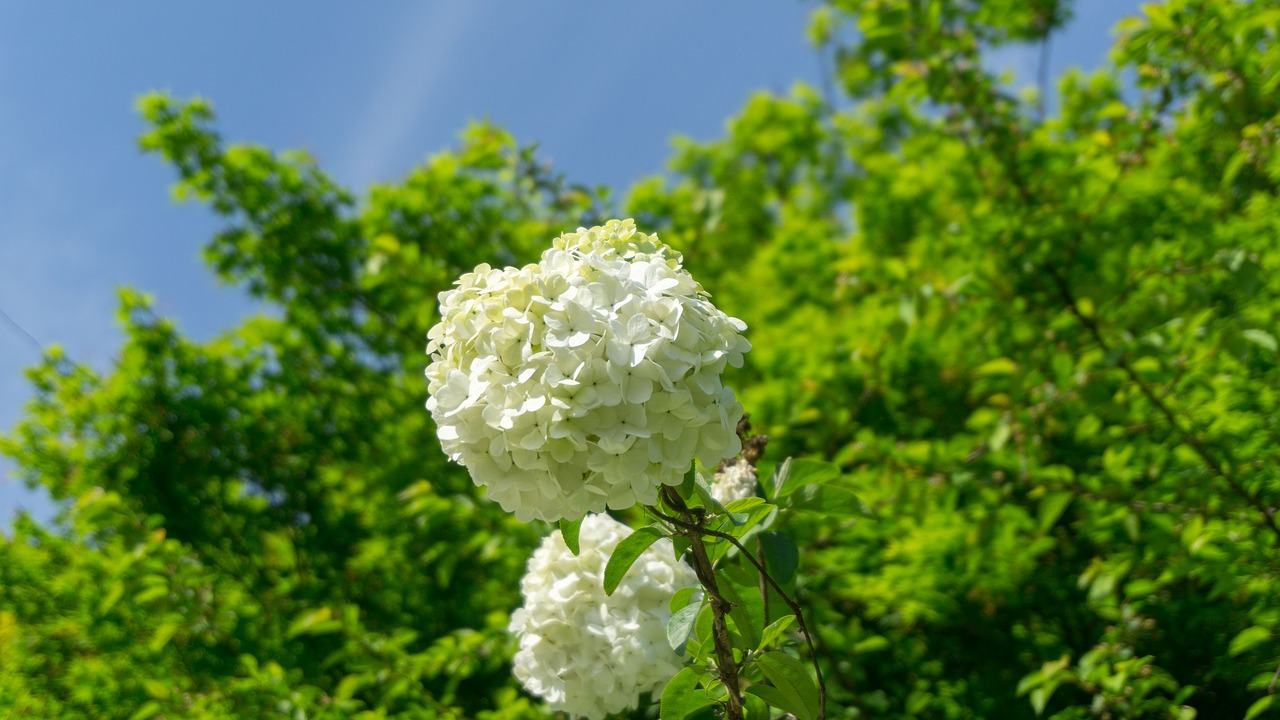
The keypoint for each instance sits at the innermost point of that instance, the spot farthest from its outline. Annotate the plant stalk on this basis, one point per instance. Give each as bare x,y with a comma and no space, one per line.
720,607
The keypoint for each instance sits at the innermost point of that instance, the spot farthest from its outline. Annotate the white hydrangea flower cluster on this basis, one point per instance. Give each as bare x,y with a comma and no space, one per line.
586,380
586,653
734,482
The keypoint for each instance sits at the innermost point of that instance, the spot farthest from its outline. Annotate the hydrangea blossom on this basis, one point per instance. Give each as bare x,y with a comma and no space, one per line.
586,653
586,380
734,482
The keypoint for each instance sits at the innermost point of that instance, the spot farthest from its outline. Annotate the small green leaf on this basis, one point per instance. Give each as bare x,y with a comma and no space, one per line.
157,689
756,708
1261,338
689,482
774,483
742,589
682,697
1040,698
796,691
569,530
624,556
682,597
702,631
111,598
680,545
999,366
1000,436
802,472
758,514
1247,639
775,630
781,556
314,622
771,695
149,710
163,635
704,494
875,643
1260,706
831,500
739,511
1051,508
680,626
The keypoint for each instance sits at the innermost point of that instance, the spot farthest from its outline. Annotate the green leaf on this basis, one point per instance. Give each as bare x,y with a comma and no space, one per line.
147,711
781,556
775,630
569,530
742,589
798,473
624,556
1247,639
680,545
163,635
1039,698
680,626
683,597
1052,506
998,366
874,643
690,482
1261,338
111,598
739,511
704,495
1260,706
682,697
776,480
829,500
755,708
758,514
1000,436
797,693
771,695
702,631
314,622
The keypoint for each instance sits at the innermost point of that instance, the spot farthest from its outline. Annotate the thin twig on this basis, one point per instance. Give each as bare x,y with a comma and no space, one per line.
39,347
1214,466
1042,74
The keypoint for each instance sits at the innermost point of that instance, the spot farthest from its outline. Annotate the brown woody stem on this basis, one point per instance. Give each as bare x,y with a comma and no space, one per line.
692,528
674,500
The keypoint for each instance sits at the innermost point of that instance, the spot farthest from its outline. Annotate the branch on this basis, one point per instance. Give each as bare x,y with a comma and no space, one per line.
1042,75
1214,466
719,607
669,494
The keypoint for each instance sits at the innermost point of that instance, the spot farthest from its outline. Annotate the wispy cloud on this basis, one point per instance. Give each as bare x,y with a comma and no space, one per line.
415,64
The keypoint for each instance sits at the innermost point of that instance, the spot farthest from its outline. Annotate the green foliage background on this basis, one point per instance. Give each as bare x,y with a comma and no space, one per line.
1042,350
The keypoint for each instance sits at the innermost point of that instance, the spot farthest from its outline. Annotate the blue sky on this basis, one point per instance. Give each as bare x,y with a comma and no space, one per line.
370,89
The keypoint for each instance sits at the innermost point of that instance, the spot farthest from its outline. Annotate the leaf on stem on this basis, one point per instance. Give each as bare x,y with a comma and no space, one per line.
569,529
741,589
798,473
625,555
682,697
781,556
793,690
774,632
680,626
